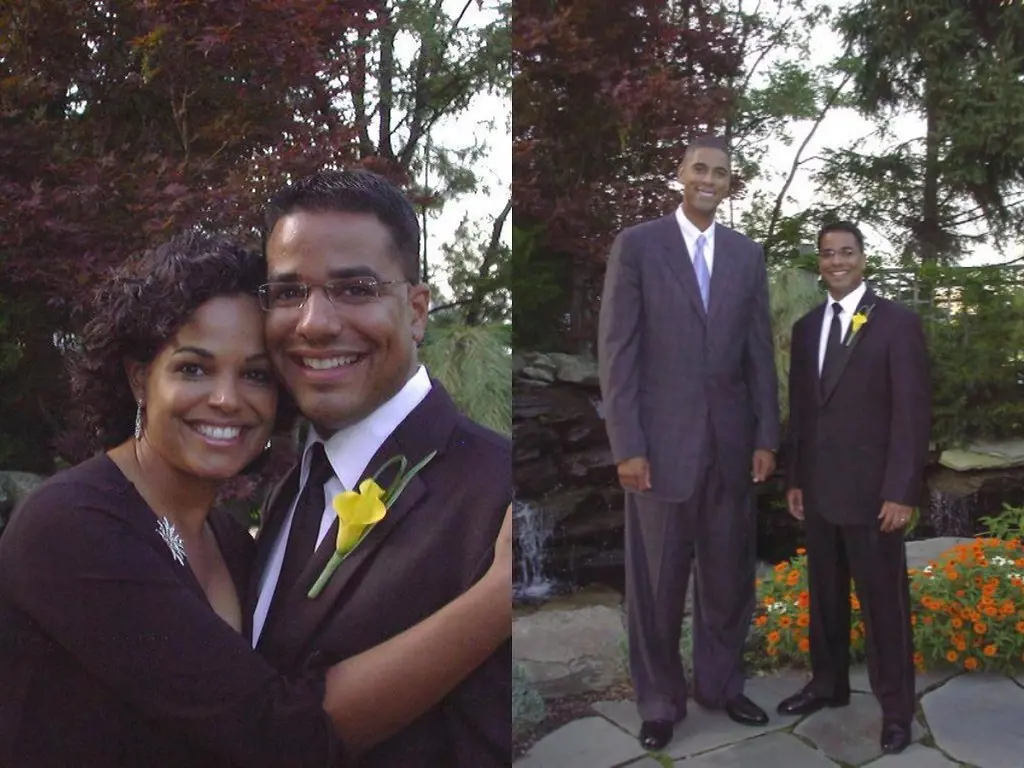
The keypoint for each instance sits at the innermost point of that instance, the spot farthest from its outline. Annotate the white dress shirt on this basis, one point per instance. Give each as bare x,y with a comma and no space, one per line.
690,235
849,304
349,451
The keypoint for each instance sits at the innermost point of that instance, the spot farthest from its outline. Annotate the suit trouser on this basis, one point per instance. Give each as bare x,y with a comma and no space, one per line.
718,526
877,562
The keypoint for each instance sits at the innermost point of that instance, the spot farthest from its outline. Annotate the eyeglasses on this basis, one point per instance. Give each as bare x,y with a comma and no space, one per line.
830,253
348,291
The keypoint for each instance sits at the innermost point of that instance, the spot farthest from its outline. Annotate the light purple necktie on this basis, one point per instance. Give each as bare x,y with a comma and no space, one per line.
700,266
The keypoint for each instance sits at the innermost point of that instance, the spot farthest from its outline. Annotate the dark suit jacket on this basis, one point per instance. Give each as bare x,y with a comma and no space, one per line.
865,440
434,543
110,654
665,365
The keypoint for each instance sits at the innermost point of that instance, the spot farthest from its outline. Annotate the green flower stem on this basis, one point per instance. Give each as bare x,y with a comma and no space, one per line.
332,566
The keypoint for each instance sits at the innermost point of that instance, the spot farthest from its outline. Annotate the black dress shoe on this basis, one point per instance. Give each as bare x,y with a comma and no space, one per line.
744,711
655,734
895,738
805,702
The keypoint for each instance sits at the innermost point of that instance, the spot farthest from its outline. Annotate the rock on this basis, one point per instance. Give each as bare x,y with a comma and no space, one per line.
585,743
985,454
534,479
914,756
704,730
920,553
570,652
776,750
594,515
994,703
575,370
853,738
539,374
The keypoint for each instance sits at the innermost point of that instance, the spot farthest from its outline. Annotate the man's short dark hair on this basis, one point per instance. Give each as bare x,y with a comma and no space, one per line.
707,141
842,226
355,191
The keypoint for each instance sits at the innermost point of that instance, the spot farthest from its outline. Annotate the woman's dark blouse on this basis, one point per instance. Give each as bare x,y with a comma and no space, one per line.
110,654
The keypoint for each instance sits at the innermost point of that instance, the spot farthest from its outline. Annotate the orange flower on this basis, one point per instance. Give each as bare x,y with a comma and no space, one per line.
952,574
854,603
801,551
1020,627
803,600
785,621
771,650
853,634
803,620
918,658
804,645
991,650
793,579
991,611
780,567
980,628
957,622
970,663
760,621
951,656
768,601
773,637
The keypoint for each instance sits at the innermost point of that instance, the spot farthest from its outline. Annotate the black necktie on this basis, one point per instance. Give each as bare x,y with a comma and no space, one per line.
309,512
833,348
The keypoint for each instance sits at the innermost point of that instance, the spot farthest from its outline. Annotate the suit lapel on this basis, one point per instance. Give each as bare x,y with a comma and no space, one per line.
426,429
680,262
851,341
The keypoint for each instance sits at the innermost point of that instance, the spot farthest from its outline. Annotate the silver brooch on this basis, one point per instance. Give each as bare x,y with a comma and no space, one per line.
173,541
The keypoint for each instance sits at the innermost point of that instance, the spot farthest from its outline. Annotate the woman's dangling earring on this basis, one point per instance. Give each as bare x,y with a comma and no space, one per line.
138,420
267,446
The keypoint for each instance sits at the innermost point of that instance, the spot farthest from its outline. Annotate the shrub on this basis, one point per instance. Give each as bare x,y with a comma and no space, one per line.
970,607
783,617
967,610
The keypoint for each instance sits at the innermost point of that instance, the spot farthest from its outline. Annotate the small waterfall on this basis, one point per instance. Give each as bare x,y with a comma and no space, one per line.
532,530
951,515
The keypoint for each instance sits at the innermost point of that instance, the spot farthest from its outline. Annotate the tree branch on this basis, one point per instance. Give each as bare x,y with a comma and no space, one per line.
781,198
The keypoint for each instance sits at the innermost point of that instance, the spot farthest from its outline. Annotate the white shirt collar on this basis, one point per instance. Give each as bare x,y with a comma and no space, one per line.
350,449
690,230
849,302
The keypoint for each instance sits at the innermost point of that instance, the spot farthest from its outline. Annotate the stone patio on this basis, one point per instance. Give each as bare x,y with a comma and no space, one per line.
966,720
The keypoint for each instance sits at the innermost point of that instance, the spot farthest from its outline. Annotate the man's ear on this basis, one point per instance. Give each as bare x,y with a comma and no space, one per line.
137,374
419,303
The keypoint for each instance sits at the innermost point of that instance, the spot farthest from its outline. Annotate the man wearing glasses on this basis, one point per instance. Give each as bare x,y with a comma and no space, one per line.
345,311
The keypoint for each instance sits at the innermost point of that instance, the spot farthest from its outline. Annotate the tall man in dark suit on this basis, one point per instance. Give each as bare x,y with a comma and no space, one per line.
345,311
857,444
690,398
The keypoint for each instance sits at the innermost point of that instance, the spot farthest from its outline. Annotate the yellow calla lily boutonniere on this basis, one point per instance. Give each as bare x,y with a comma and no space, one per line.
857,321
358,511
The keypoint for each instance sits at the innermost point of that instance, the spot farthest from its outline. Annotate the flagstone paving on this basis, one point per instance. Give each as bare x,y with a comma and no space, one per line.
963,721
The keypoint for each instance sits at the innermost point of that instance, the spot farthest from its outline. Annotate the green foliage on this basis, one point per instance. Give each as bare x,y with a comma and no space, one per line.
965,610
474,362
975,338
793,293
1008,525
540,282
528,707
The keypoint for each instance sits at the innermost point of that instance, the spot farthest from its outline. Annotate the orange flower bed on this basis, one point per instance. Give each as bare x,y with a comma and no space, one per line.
968,609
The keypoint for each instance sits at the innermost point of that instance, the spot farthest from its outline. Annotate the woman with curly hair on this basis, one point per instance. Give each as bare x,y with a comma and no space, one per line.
121,587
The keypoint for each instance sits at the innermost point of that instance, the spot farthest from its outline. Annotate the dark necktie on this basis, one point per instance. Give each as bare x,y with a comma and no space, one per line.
309,511
833,348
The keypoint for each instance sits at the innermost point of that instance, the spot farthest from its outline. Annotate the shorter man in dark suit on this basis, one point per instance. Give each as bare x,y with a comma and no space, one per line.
860,414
